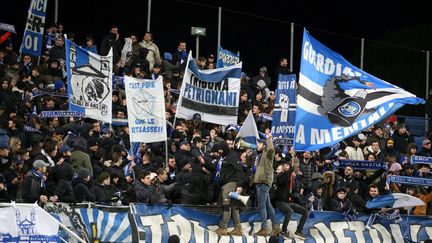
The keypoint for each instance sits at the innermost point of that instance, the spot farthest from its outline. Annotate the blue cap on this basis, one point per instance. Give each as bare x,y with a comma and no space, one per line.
59,84
167,56
64,148
184,142
4,144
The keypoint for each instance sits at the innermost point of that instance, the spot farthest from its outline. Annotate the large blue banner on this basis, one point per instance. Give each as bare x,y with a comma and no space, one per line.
34,31
157,223
337,100
93,223
226,58
285,108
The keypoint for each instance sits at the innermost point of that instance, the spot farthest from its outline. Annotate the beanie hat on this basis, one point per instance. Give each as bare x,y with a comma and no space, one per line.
59,84
103,176
395,167
83,172
39,163
167,56
93,141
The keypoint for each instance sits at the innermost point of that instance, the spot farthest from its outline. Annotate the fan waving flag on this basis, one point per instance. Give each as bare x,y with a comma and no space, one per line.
394,200
337,100
89,82
249,132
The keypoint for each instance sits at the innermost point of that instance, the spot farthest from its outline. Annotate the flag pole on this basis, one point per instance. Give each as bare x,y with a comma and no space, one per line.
219,28
166,151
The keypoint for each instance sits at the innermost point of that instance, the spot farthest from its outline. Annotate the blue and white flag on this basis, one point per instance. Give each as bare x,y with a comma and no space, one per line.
285,108
135,152
337,100
409,180
146,110
226,58
90,82
34,31
249,132
214,94
363,164
27,224
394,200
47,114
421,160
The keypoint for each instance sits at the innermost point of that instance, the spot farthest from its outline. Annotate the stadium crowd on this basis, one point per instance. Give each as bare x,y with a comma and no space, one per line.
74,160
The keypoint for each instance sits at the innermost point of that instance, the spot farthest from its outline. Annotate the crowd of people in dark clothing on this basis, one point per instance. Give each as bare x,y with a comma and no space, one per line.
66,159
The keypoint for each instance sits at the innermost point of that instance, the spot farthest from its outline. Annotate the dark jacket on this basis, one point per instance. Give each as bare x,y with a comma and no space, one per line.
144,193
231,170
192,188
84,191
57,52
14,191
4,196
64,191
32,188
401,141
104,193
180,58
109,41
320,201
285,187
339,205
64,171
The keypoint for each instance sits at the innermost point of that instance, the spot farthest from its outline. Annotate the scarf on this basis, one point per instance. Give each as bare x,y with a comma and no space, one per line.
218,169
257,159
39,177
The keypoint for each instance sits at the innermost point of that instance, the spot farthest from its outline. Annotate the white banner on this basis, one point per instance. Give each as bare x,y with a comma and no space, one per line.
27,224
89,82
214,94
146,113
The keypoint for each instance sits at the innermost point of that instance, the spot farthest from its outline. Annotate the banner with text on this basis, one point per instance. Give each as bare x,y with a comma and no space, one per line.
146,113
337,100
157,223
34,31
226,58
212,93
285,108
421,160
362,164
90,82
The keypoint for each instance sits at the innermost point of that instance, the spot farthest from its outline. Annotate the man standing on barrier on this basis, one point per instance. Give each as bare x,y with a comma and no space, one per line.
287,200
230,179
264,179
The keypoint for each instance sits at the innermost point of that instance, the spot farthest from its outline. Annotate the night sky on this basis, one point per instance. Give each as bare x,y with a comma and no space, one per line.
260,41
